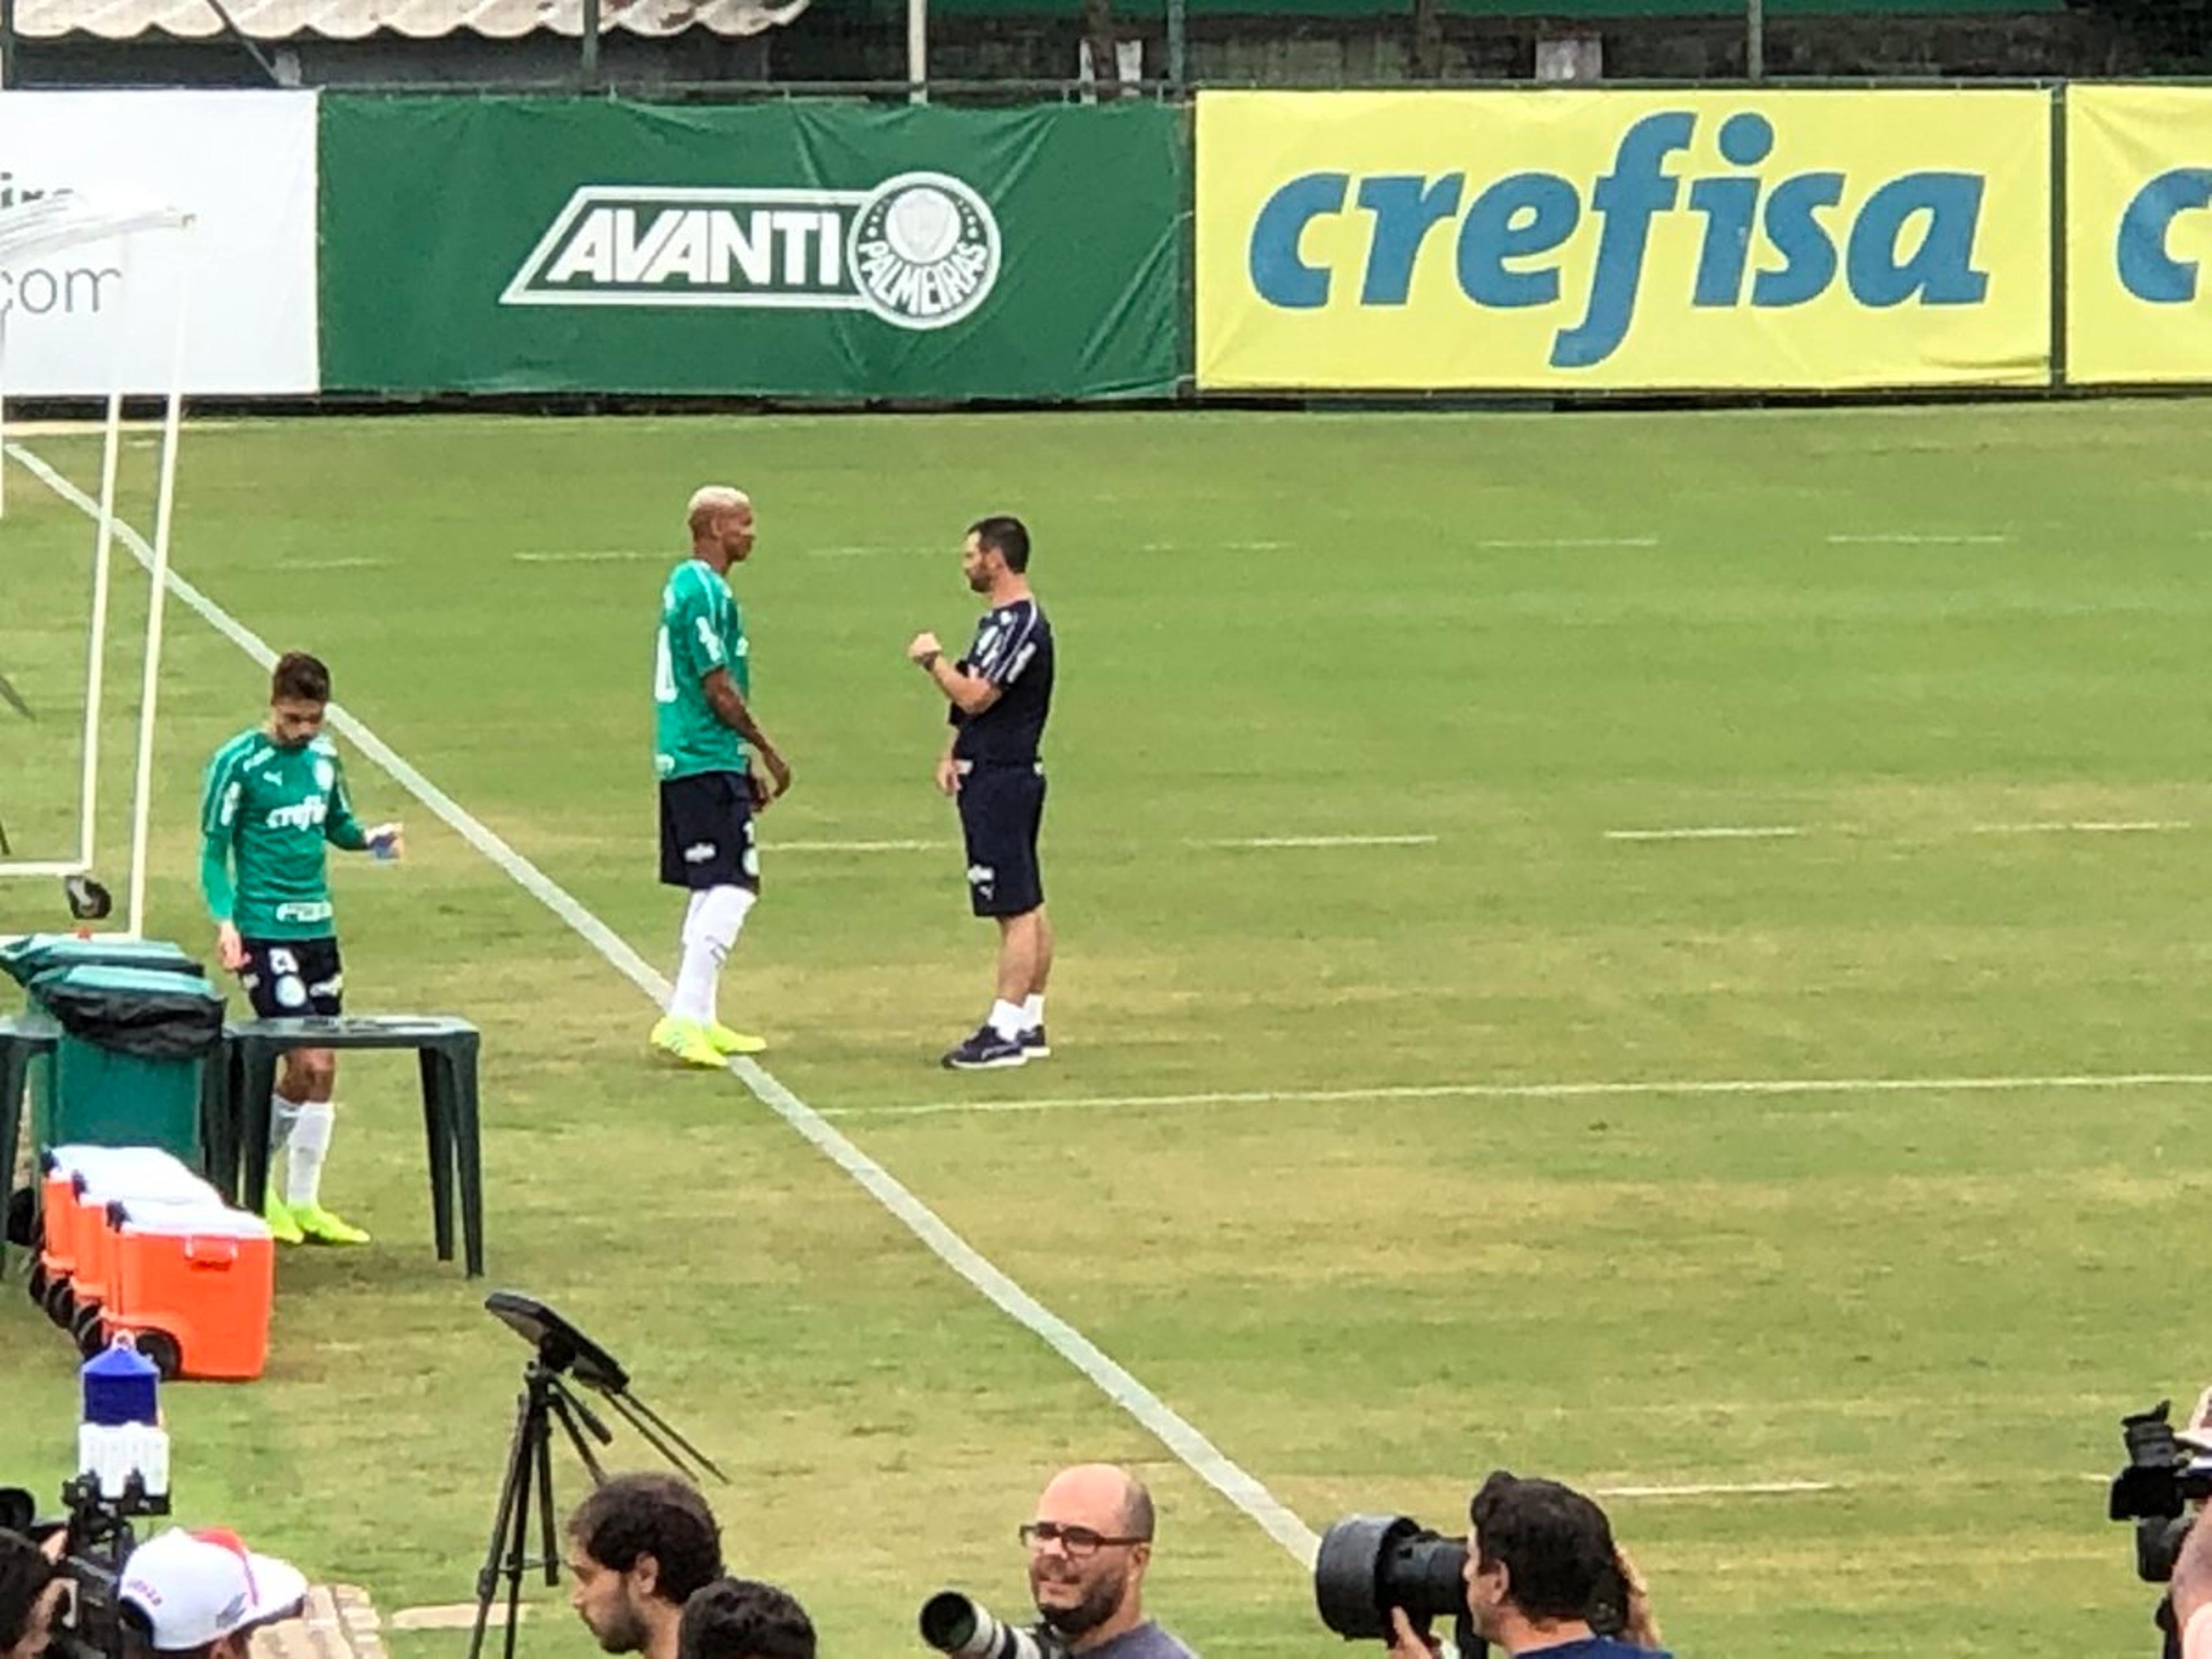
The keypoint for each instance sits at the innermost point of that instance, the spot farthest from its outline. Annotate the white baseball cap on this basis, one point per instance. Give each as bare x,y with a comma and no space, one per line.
198,1587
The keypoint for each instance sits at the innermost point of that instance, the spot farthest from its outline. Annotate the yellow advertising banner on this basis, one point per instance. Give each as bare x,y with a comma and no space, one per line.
1586,241
2138,233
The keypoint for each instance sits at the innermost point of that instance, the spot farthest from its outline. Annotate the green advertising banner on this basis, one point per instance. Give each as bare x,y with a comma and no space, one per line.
796,249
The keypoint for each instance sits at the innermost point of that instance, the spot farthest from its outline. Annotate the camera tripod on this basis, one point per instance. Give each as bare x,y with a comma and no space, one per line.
526,1494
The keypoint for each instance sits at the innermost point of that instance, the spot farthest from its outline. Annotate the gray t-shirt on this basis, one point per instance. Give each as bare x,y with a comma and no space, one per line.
1147,1641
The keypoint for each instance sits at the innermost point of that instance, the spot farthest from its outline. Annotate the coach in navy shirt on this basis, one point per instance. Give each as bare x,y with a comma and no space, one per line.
1001,692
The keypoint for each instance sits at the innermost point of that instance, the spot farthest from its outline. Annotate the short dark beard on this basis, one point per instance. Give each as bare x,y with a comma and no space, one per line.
1086,1615
628,1635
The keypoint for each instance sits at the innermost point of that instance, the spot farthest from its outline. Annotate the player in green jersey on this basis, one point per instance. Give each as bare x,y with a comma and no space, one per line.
702,677
275,797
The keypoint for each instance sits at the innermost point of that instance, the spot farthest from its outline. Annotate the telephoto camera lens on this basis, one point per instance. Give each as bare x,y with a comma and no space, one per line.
1370,1564
955,1626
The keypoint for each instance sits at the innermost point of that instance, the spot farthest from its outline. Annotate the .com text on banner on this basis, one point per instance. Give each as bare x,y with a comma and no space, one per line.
103,316
1623,240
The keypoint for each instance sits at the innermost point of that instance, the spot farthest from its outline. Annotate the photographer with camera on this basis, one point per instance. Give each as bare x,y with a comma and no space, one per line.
743,1618
31,1590
1542,1574
202,1595
638,1548
1089,1548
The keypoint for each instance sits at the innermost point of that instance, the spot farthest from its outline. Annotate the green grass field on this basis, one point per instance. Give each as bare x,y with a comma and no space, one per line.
1366,1279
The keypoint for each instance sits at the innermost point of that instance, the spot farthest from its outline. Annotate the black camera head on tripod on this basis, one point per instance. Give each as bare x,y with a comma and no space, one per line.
561,1348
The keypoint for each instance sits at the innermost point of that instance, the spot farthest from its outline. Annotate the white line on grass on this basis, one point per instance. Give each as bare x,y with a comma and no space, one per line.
1321,841
1207,1460
2146,826
1746,1489
1905,540
1712,832
780,846
1782,1086
610,555
1543,543
336,564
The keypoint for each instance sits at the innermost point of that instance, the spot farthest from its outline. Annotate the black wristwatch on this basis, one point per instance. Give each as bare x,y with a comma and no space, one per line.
928,659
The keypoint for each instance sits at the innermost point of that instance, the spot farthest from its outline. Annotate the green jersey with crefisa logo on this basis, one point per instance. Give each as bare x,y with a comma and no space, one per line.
701,630
270,813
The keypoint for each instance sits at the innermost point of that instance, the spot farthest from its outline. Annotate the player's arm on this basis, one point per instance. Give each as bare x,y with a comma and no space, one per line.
729,705
971,694
219,801
343,831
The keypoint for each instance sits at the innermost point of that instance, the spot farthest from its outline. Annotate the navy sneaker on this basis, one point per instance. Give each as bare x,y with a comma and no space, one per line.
985,1051
1034,1046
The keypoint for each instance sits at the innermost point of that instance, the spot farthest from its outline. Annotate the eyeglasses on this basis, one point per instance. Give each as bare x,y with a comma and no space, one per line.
1078,1542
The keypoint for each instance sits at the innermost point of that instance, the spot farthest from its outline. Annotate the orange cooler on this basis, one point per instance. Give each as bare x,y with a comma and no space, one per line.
194,1287
93,1178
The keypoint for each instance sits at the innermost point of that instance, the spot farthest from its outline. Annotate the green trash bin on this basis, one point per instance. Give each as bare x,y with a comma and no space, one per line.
24,959
127,1070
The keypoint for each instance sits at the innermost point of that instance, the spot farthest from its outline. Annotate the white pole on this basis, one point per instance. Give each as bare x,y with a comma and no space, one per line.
917,49
103,552
172,433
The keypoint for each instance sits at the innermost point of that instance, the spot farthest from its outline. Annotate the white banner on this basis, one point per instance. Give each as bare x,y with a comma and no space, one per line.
104,315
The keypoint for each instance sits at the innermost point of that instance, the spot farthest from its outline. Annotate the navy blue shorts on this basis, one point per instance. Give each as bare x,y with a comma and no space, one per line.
294,978
1001,811
707,832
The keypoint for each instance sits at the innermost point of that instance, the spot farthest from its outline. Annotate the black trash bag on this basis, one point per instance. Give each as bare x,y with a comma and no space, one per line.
153,1016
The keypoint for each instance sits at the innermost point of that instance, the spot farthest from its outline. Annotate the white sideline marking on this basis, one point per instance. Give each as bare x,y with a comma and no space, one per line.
1510,543
775,846
2146,826
1748,1489
1219,547
336,564
1204,1459
1711,832
610,557
1321,841
1809,1085
1902,539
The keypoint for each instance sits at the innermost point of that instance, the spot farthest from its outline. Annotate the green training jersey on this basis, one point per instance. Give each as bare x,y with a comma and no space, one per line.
268,813
700,631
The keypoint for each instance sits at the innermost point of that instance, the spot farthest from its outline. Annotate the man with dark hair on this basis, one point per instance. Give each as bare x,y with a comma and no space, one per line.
1089,1548
202,1595
740,1619
1543,1576
638,1548
274,799
1001,693
31,1590
709,793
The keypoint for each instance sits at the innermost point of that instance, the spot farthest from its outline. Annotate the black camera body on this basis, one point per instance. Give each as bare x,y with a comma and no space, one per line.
1370,1564
98,1538
2162,1478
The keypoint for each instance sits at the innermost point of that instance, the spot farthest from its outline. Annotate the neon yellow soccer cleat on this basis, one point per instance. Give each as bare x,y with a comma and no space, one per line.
281,1228
687,1042
319,1226
727,1042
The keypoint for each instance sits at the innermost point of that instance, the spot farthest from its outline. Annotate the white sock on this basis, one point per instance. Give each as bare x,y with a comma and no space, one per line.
690,999
283,1119
310,1144
1007,1019
1033,1011
711,929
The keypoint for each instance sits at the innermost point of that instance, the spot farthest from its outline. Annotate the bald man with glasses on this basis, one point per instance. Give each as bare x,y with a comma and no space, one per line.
1089,1548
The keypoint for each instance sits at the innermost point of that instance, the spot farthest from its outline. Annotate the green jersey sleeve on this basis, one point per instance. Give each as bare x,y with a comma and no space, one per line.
341,828
696,637
219,797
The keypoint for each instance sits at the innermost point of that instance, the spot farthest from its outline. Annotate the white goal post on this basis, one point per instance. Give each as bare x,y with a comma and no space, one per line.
53,225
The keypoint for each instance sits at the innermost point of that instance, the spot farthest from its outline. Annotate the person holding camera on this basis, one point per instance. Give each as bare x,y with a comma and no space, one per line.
1541,1565
31,1590
202,1595
638,1548
743,1618
1089,1546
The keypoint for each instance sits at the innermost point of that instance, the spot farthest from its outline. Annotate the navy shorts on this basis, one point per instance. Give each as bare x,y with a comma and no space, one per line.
1001,810
294,978
707,832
